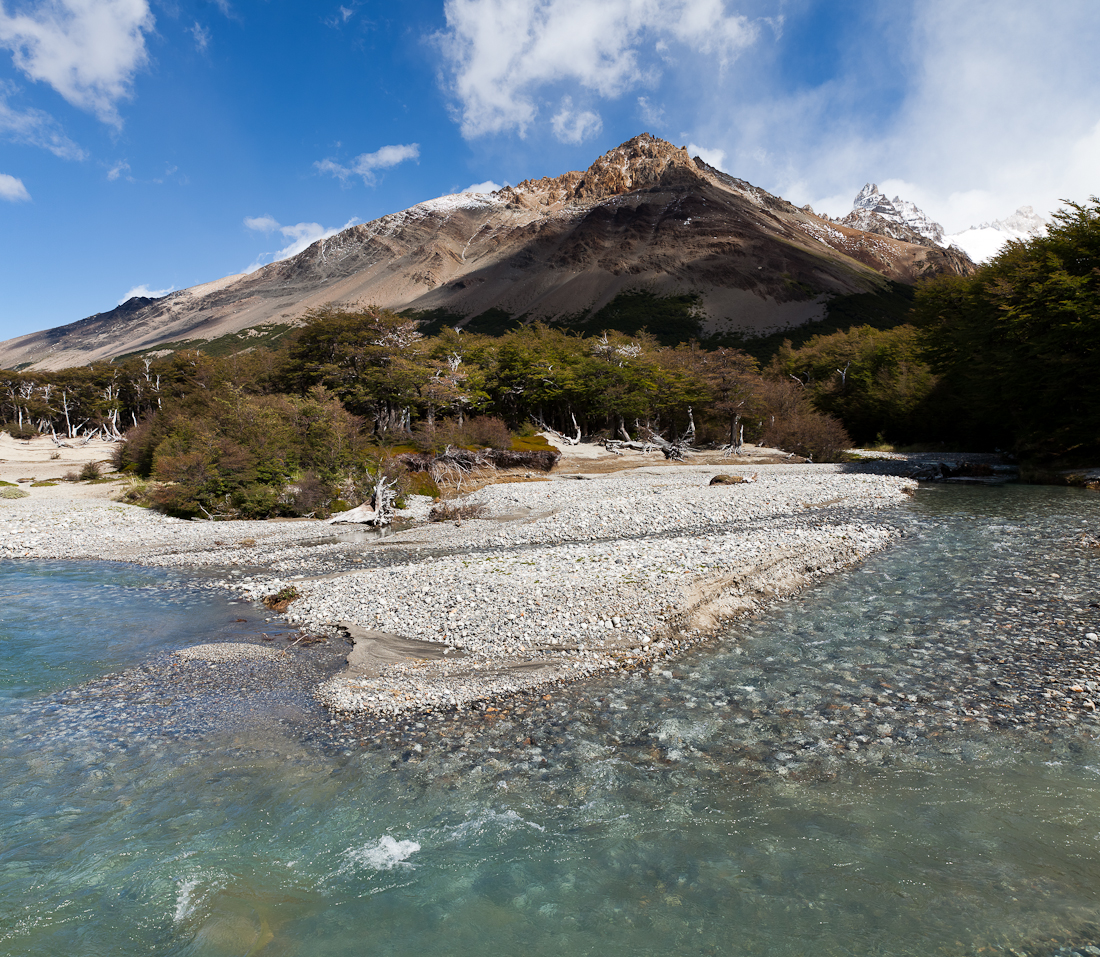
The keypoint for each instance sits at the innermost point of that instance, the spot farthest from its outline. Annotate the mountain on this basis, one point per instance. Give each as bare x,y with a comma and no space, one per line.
899,219
644,217
982,243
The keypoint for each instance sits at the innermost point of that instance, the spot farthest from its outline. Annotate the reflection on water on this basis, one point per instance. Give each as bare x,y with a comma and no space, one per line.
709,809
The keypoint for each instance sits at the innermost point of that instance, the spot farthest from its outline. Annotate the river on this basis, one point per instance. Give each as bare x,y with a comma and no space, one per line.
832,777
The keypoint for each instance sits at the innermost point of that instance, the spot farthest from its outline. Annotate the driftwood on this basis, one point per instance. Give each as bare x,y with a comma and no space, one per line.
733,479
378,511
568,440
454,461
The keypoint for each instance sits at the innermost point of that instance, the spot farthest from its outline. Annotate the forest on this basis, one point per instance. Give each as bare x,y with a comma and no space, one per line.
1005,359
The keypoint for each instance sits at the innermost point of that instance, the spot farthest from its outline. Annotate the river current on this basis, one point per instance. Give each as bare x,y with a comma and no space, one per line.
823,779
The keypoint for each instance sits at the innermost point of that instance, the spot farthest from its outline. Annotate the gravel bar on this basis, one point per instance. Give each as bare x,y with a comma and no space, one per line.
558,580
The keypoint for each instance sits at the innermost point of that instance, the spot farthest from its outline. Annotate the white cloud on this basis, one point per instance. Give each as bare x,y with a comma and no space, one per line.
201,35
365,164
13,190
573,127
301,236
146,293
35,128
501,53
87,50
715,158
121,168
970,111
487,187
262,224
652,115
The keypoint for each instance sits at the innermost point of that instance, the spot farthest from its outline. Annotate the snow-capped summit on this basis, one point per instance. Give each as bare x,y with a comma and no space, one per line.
873,212
898,218
981,243
917,219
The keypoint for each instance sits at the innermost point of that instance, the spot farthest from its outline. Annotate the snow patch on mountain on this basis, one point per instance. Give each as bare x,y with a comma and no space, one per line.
900,219
981,243
873,212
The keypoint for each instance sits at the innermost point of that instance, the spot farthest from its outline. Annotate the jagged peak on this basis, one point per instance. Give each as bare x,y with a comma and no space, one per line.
641,161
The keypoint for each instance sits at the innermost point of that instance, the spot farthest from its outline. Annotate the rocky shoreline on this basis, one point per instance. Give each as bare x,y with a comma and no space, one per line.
559,580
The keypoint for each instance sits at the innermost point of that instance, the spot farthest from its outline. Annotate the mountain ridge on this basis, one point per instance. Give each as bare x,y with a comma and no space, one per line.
643,216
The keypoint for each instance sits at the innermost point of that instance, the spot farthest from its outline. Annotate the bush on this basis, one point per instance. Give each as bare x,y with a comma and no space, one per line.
487,432
422,483
811,434
482,432
89,472
309,494
453,512
13,493
237,455
20,432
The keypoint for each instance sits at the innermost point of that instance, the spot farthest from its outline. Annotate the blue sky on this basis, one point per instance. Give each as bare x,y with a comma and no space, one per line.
150,146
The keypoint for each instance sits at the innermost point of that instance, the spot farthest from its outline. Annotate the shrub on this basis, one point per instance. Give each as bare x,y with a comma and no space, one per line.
13,493
89,472
454,512
20,432
486,432
309,494
810,434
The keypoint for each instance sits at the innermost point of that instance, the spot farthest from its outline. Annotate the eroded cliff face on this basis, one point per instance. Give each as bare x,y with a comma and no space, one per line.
645,215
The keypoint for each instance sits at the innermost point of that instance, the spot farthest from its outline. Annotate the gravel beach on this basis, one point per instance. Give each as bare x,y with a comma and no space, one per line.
558,579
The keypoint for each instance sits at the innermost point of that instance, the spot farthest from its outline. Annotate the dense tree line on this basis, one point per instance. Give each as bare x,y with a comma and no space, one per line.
285,432
1007,358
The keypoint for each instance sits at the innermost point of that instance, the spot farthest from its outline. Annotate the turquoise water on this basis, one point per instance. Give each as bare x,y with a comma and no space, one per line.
711,808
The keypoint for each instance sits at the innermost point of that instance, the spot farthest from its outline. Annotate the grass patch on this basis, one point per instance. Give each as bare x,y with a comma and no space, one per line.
266,336
531,443
47,483
422,483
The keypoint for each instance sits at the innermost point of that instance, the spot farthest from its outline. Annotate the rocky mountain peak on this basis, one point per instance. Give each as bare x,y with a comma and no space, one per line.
898,218
640,162
874,200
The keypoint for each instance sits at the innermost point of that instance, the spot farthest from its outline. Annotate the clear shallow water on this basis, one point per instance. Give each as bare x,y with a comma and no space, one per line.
713,809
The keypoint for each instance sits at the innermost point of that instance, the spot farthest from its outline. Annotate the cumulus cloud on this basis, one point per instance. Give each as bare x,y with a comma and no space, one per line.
968,111
301,236
366,164
87,50
715,158
487,187
146,293
501,53
35,128
13,190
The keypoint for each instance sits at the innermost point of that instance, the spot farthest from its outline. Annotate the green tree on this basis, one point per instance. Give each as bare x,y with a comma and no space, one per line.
1018,343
